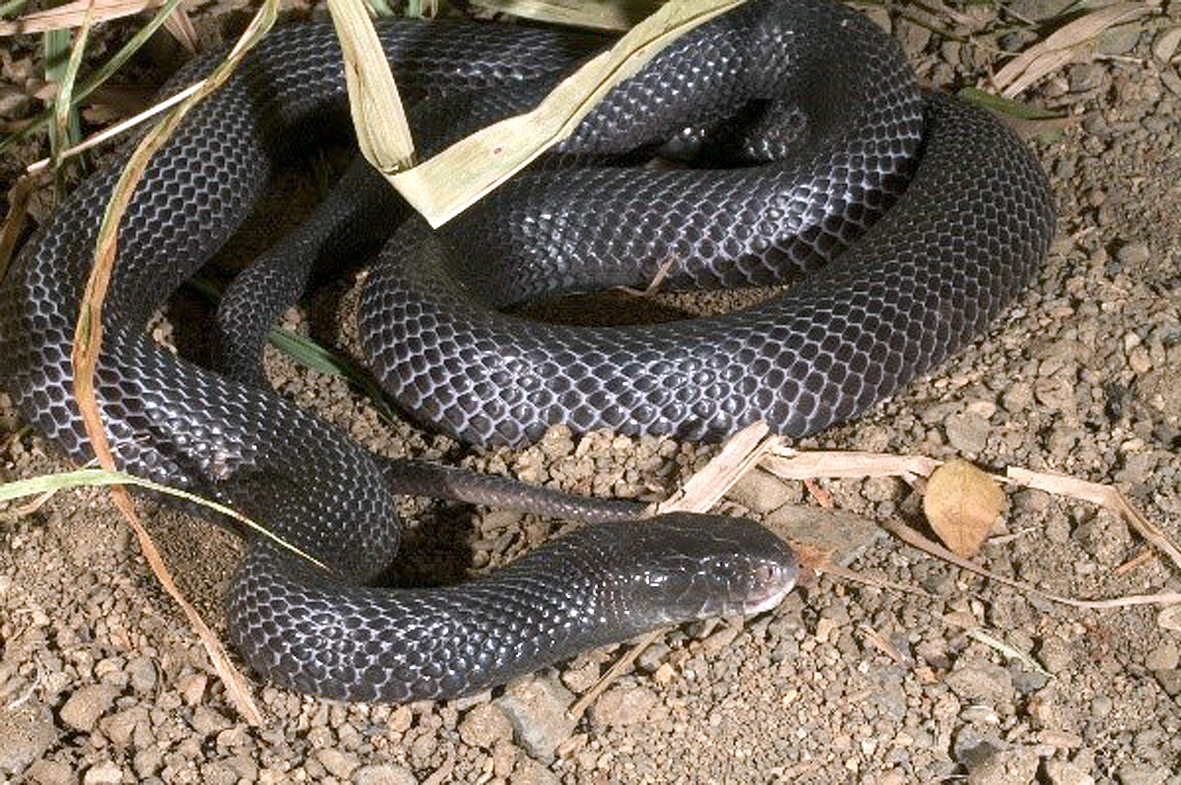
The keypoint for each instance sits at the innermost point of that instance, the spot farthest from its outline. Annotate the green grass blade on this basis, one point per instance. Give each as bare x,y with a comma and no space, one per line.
95,80
91,478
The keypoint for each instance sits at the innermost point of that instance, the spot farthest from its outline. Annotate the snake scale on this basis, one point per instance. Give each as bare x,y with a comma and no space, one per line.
824,128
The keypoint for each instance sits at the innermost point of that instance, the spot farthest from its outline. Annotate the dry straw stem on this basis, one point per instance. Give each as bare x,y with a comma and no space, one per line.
378,117
597,14
1073,40
112,131
64,17
69,15
88,341
1007,650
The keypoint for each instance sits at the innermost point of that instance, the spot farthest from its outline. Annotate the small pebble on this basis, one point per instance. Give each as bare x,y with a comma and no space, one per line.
530,772
1163,657
50,772
1060,772
981,681
623,705
536,706
1014,766
103,773
383,774
485,725
337,763
26,732
87,704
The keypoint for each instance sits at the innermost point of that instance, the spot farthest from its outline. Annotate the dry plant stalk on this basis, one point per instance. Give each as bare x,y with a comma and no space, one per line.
596,14
88,342
64,17
383,134
1063,46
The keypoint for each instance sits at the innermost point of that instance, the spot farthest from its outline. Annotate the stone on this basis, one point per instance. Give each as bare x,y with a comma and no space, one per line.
536,707
761,492
623,705
1013,766
1061,772
383,774
26,732
1163,657
87,704
105,772
981,681
337,763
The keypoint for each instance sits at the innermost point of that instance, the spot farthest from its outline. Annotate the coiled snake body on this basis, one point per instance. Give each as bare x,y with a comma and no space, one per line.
821,110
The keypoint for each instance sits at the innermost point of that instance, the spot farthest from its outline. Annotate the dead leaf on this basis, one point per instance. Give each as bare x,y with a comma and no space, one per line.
961,504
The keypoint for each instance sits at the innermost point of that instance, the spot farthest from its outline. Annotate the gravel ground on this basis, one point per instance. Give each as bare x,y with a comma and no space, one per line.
102,681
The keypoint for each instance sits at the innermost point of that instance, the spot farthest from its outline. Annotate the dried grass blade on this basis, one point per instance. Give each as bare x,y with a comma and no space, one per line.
115,130
911,537
1062,46
69,15
88,341
378,117
1107,496
448,183
596,14
65,122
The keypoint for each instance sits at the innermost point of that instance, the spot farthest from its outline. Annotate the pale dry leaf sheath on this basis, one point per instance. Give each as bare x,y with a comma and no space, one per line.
70,15
1061,47
383,134
597,14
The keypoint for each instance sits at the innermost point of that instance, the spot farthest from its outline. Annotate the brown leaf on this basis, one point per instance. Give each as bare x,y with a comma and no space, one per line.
961,504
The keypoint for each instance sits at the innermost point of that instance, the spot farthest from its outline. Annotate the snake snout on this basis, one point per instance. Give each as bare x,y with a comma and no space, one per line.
769,583
749,582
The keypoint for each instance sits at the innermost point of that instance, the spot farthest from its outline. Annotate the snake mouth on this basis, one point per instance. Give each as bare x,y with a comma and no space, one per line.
771,583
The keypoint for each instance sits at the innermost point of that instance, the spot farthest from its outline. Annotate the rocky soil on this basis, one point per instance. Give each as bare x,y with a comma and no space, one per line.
102,680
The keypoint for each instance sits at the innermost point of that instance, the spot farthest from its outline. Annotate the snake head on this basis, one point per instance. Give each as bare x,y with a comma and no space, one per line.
685,567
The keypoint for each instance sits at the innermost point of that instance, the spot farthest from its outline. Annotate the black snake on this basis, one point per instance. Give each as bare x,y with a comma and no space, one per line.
823,120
